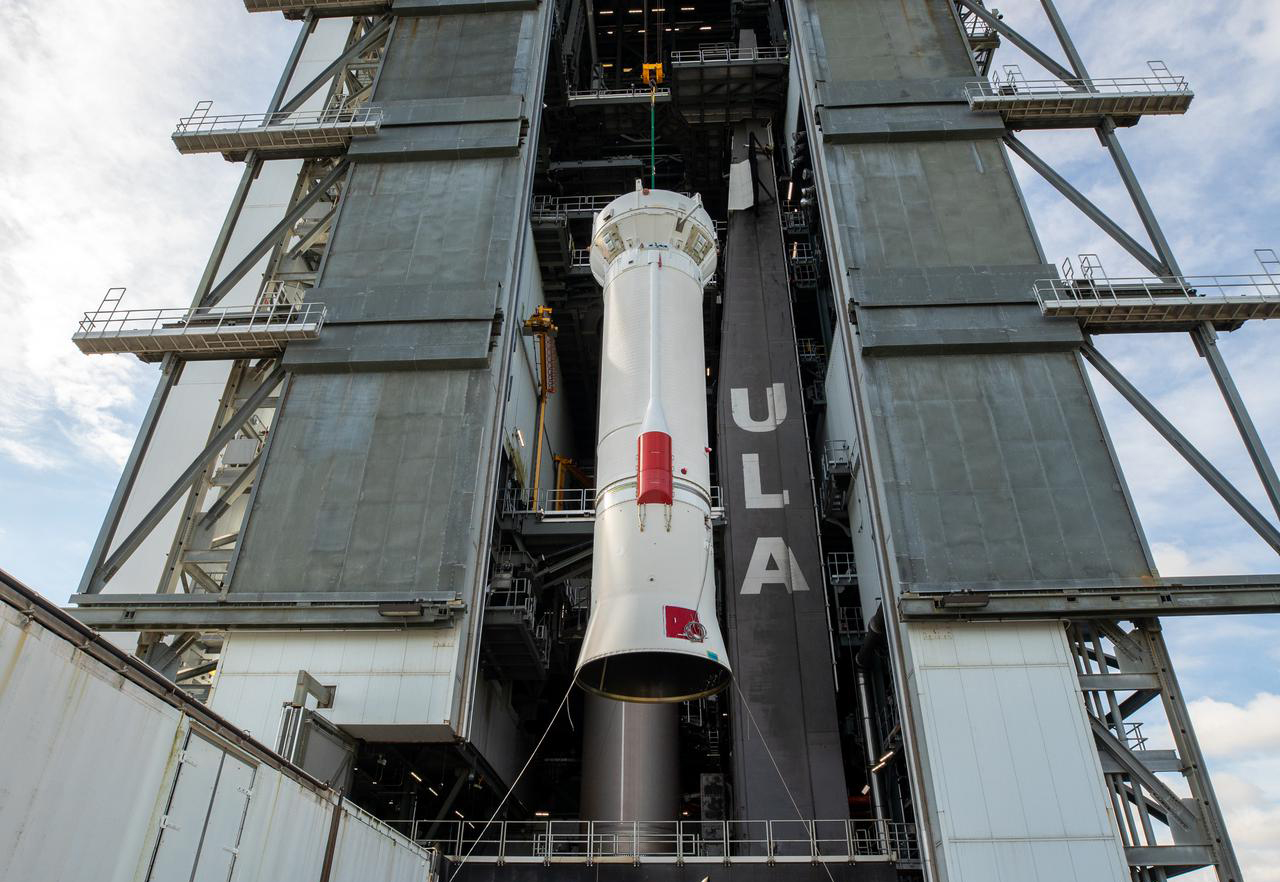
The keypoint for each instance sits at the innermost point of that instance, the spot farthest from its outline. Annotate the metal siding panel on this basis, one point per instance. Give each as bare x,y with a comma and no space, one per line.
226,818
55,706
183,826
1012,777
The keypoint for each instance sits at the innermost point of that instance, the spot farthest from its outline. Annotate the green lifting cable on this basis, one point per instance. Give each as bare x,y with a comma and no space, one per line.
653,161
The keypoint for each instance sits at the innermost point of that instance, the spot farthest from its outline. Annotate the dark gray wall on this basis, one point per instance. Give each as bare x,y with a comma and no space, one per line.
377,476
993,461
778,632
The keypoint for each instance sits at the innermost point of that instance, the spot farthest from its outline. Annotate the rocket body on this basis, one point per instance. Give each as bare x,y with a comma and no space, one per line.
653,633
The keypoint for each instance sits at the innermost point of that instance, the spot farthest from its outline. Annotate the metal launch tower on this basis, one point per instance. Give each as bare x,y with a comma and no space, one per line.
649,440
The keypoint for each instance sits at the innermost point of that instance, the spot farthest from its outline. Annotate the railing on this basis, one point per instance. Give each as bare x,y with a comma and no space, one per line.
722,55
209,320
837,457
562,206
1133,737
1014,85
201,123
842,568
795,221
801,254
518,599
575,503
669,842
810,349
1095,288
849,621
629,92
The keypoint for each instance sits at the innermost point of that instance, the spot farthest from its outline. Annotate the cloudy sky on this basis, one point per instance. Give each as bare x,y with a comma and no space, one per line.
93,195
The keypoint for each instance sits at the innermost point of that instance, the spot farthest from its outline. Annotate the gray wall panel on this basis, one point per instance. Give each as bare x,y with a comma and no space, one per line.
452,56
381,453
999,471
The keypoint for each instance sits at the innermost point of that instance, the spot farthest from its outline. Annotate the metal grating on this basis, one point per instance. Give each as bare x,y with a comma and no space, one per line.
1023,101
297,134
842,569
632,95
670,842
573,504
1101,303
199,332
731,55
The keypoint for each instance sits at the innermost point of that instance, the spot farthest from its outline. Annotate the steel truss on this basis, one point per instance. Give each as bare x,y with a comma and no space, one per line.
214,492
1258,296
1120,671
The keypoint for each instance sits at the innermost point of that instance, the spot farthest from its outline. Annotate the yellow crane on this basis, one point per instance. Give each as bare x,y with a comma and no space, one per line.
543,330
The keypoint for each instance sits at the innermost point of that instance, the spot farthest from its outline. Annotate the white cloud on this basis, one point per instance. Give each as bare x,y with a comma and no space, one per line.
1242,743
96,197
1229,731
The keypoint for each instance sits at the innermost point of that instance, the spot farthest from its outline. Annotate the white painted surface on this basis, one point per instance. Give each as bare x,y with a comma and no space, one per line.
368,850
88,766
77,743
838,422
392,685
652,251
1014,782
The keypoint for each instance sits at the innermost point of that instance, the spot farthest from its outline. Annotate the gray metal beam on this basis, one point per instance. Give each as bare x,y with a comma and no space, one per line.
270,240
1207,343
1064,39
1194,457
1117,682
229,495
1221,595
1107,134
259,616
149,521
170,370
358,48
1045,60
251,166
1092,211
1188,746
1185,856
1168,800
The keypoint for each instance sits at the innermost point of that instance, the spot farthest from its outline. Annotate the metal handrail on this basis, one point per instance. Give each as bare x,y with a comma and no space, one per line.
1171,289
199,122
205,318
568,503
841,565
712,55
849,620
1016,87
573,841
626,92
560,204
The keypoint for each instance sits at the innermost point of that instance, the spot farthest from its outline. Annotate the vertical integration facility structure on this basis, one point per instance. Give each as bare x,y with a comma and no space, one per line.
813,499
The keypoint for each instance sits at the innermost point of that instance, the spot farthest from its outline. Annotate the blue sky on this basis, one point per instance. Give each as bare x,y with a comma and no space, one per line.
93,195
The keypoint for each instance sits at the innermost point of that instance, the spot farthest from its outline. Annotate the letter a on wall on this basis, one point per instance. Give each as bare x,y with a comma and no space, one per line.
773,564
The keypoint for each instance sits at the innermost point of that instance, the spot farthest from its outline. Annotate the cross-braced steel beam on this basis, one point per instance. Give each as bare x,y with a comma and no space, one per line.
157,512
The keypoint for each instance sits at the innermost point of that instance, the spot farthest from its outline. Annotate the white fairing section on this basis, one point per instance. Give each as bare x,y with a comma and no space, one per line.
653,251
391,685
1003,725
104,781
